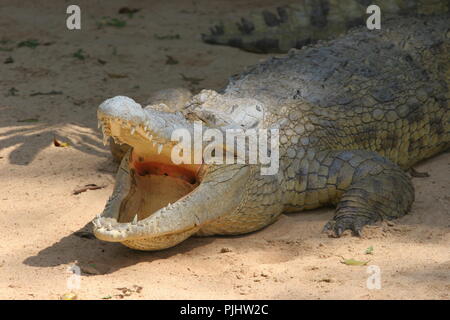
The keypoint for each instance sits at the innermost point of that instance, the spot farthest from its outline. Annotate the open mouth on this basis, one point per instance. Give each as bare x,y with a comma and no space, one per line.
157,203
155,181
149,183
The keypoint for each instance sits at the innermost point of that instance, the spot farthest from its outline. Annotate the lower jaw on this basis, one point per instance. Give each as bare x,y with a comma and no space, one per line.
161,242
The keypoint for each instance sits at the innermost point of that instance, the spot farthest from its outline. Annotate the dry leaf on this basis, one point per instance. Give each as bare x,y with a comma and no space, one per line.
69,296
128,11
50,93
353,262
117,76
87,187
60,144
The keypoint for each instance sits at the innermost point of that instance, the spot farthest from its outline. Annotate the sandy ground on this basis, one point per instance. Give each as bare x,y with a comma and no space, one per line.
41,220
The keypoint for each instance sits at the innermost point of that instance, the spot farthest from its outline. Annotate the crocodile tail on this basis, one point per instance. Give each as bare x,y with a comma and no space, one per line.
307,21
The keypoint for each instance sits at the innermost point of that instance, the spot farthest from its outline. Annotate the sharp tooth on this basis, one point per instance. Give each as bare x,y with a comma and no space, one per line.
150,137
135,219
133,130
160,147
105,136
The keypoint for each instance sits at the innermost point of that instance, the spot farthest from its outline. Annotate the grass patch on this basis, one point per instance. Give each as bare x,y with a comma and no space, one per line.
111,22
79,54
31,43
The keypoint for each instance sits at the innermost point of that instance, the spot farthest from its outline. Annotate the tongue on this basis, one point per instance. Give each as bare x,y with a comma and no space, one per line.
162,166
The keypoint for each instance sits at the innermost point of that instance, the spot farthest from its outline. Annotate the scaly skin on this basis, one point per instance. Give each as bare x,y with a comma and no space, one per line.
353,114
307,21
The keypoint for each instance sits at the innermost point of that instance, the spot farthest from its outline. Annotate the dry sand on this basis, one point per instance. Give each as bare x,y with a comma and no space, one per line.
40,218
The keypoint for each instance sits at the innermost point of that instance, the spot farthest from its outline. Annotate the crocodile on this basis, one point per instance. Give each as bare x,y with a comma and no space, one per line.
353,114
275,30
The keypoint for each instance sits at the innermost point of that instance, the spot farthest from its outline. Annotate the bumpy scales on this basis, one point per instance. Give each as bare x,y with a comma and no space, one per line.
307,21
353,114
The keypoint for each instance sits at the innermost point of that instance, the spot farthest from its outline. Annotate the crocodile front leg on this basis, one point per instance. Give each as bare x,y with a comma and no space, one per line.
365,187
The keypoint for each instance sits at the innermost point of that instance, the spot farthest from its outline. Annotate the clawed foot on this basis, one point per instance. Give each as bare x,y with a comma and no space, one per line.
337,226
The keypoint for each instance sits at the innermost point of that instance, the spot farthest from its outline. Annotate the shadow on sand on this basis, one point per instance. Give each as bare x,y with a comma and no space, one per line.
82,248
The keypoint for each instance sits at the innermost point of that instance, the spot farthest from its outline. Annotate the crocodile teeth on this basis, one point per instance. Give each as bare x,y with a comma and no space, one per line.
105,136
133,130
105,139
135,219
160,147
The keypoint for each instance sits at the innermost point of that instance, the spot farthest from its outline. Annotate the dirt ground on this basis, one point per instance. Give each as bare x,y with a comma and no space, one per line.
50,88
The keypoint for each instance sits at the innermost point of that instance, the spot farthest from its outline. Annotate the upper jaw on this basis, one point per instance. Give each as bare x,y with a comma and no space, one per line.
123,113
